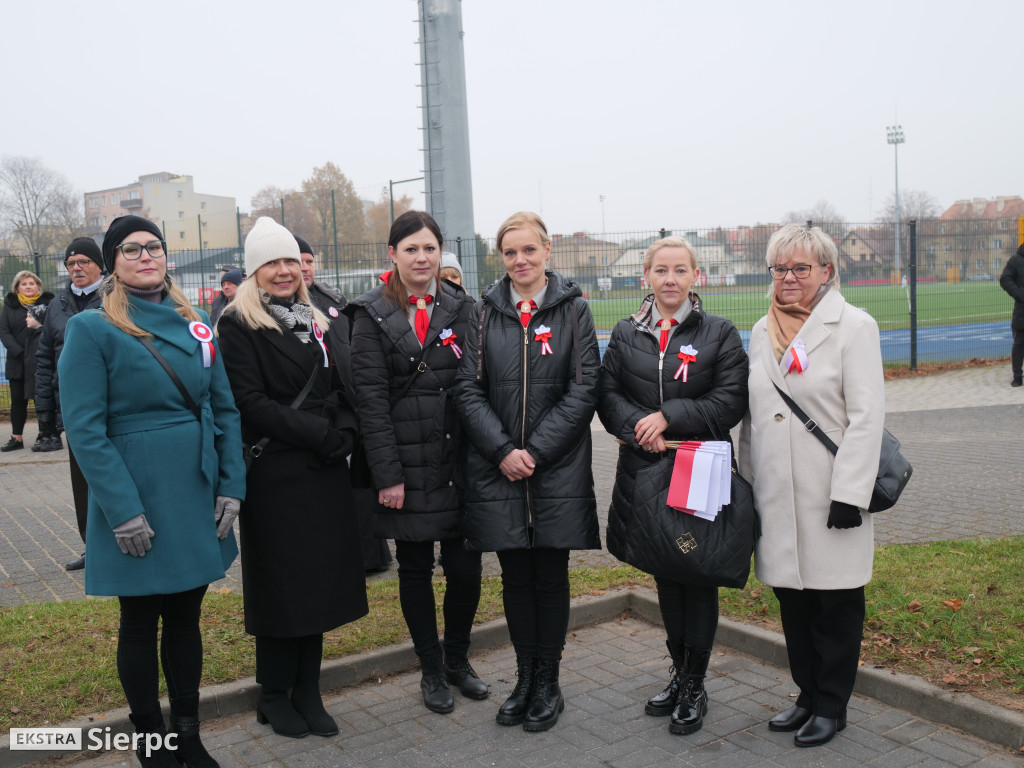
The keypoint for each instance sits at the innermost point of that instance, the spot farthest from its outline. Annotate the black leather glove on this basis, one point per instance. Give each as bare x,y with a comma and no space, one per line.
337,445
842,515
47,423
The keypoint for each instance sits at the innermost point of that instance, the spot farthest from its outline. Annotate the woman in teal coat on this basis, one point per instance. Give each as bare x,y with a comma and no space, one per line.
165,475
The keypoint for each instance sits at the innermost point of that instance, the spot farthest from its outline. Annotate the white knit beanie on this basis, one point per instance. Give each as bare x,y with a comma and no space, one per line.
450,260
266,241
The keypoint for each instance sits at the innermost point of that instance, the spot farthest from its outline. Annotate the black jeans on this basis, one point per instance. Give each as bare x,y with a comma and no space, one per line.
823,631
1016,356
462,572
181,647
19,406
535,591
689,612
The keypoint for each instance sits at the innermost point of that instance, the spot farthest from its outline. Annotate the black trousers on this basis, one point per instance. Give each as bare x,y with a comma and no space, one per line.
535,591
284,662
823,631
1016,356
462,571
689,612
19,406
80,492
181,647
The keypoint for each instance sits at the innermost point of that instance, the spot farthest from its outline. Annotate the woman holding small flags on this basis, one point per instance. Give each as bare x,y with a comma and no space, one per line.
302,567
408,337
526,393
150,415
671,372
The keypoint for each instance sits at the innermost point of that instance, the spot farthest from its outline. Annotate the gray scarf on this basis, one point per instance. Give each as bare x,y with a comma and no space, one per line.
295,317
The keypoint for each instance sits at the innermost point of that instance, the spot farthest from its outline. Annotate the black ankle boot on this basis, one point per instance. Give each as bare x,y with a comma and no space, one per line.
790,720
513,711
546,703
819,730
152,723
692,703
437,696
274,707
460,673
306,694
662,704
185,718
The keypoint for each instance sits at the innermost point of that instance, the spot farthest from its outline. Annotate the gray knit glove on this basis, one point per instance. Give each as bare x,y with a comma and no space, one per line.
225,511
133,536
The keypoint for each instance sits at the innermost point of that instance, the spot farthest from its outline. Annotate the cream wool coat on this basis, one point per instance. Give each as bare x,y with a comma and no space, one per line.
794,476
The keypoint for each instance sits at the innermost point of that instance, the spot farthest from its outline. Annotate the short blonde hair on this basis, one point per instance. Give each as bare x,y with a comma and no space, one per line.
21,276
523,220
672,241
248,306
816,243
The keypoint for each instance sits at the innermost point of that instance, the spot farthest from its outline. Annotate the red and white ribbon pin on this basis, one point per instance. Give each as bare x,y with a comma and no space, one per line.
449,341
688,355
796,358
543,335
319,336
204,335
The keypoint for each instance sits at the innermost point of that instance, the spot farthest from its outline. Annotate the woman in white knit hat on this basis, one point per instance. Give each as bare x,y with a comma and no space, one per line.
302,569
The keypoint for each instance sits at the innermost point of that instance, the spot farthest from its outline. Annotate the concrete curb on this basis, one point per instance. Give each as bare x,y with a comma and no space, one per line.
978,718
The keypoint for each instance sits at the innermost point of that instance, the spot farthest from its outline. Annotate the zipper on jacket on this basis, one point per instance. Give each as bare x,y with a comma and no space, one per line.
522,437
661,385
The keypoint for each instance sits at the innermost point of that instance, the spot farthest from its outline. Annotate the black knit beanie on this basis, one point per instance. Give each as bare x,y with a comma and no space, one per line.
119,229
304,246
84,246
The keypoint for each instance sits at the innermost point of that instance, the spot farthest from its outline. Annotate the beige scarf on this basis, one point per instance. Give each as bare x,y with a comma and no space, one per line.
786,320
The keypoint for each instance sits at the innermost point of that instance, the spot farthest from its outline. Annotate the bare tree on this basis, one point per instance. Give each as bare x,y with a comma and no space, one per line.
378,223
297,216
346,205
914,204
822,214
37,204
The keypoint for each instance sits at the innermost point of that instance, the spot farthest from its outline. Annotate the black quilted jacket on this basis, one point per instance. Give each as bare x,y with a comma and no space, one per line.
415,439
528,399
715,391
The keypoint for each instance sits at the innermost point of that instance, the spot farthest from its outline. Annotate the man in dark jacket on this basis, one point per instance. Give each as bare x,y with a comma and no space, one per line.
1012,281
84,263
229,282
376,554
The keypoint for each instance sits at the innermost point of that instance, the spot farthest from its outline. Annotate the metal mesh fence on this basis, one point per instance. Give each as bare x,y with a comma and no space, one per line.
933,289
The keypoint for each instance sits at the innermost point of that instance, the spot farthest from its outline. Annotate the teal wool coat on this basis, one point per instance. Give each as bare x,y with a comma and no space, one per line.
144,452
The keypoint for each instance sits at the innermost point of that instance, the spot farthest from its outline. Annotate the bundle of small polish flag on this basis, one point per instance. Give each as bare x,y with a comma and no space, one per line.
701,482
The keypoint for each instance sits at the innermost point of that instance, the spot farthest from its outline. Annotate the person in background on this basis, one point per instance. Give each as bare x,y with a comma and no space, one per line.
302,571
165,475
451,269
526,393
816,545
376,554
1012,281
229,283
644,404
19,334
84,263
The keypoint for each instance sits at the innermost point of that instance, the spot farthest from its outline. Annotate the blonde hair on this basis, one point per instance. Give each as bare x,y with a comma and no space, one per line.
119,310
21,276
249,308
523,220
813,240
672,241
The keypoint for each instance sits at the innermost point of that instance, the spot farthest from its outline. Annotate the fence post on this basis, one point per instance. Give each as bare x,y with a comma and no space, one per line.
238,224
913,295
282,213
334,223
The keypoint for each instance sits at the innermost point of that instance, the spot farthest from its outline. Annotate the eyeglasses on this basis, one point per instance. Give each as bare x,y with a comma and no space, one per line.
800,271
132,251
83,263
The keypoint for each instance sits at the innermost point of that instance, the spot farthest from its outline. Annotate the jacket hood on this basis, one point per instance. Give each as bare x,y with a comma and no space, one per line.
560,288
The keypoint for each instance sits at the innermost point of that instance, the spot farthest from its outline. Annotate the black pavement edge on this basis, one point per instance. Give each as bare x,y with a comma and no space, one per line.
973,716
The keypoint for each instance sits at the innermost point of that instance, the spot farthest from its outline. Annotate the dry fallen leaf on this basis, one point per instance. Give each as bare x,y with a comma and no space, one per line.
914,606
224,591
15,710
956,603
949,678
756,592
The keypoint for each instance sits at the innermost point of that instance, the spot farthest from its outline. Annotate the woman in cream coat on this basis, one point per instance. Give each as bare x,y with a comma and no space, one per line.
816,548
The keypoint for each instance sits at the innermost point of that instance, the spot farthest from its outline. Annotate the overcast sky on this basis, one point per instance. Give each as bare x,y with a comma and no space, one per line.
683,114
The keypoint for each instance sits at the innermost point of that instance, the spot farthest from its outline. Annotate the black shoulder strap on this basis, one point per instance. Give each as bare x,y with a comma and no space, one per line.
421,366
809,424
174,377
262,443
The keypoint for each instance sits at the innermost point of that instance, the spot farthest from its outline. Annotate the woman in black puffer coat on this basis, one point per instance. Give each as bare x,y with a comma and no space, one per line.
526,392
404,359
643,403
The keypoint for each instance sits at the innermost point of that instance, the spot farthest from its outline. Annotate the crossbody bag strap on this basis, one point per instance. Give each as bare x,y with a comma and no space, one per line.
809,424
421,366
258,447
174,377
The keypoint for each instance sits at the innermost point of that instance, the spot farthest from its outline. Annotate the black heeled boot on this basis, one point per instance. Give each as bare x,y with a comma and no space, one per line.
460,673
692,703
437,696
274,707
819,730
306,696
662,704
790,720
546,703
513,711
147,723
185,718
